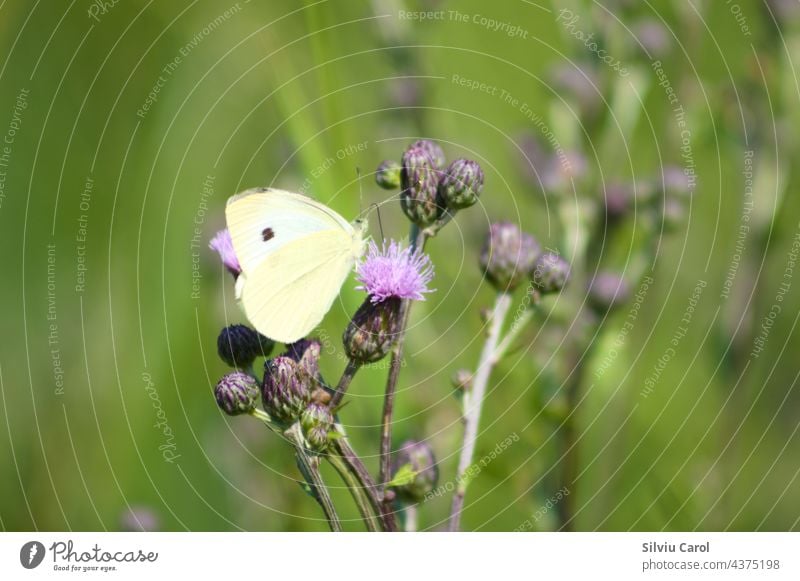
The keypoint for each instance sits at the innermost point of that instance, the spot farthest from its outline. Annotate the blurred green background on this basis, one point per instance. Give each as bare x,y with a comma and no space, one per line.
131,123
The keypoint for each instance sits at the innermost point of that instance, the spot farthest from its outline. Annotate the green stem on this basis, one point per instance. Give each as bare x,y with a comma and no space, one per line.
472,411
344,382
359,493
309,468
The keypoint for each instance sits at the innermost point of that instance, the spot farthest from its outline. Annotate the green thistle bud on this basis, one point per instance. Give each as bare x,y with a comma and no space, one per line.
286,390
373,330
433,150
550,273
387,175
419,198
508,255
421,460
317,423
239,345
607,291
236,393
461,184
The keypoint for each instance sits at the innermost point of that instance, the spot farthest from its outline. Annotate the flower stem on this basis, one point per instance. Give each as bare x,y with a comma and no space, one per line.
365,481
347,376
359,493
473,404
417,240
309,468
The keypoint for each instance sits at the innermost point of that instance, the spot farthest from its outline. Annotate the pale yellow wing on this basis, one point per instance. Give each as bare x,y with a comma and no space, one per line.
289,292
262,220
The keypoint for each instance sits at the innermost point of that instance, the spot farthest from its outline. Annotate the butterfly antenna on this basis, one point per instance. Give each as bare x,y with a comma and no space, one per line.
380,222
360,192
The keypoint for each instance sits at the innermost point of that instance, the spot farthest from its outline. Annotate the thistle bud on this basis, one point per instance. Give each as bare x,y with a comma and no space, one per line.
387,175
618,201
419,198
372,331
508,255
286,390
419,456
239,345
550,273
433,150
236,393
607,291
306,353
316,422
461,184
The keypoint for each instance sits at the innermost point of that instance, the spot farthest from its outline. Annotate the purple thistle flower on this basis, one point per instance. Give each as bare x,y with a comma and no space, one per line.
394,271
223,245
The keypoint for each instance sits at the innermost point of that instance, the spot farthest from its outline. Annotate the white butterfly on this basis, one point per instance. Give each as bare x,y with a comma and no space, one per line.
295,254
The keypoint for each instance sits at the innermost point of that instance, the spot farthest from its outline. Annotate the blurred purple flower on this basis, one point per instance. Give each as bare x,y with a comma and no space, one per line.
223,245
394,271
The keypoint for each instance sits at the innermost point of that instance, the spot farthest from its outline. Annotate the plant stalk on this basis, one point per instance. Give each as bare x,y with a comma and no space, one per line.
473,404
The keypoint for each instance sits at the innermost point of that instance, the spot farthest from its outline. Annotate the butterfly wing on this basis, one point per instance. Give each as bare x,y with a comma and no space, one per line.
262,220
288,294
295,254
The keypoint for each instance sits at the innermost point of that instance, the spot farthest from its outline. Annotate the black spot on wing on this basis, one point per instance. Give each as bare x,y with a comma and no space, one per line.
267,234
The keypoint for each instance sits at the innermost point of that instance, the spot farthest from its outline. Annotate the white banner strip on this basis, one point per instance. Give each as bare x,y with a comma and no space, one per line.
402,556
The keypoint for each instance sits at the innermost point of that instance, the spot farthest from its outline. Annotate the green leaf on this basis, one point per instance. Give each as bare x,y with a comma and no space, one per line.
405,475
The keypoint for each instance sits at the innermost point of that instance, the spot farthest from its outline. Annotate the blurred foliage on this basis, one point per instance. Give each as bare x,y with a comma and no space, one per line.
277,93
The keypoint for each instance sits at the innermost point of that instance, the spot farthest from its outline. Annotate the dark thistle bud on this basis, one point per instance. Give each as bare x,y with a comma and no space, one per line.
508,255
239,345
286,390
387,175
236,393
607,291
418,459
550,273
461,184
433,150
316,422
372,331
419,198
462,380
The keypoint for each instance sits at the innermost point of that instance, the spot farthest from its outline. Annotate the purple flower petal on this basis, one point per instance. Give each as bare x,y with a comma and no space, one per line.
223,245
394,271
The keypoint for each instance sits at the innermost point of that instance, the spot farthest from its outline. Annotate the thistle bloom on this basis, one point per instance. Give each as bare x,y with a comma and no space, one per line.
223,245
394,271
